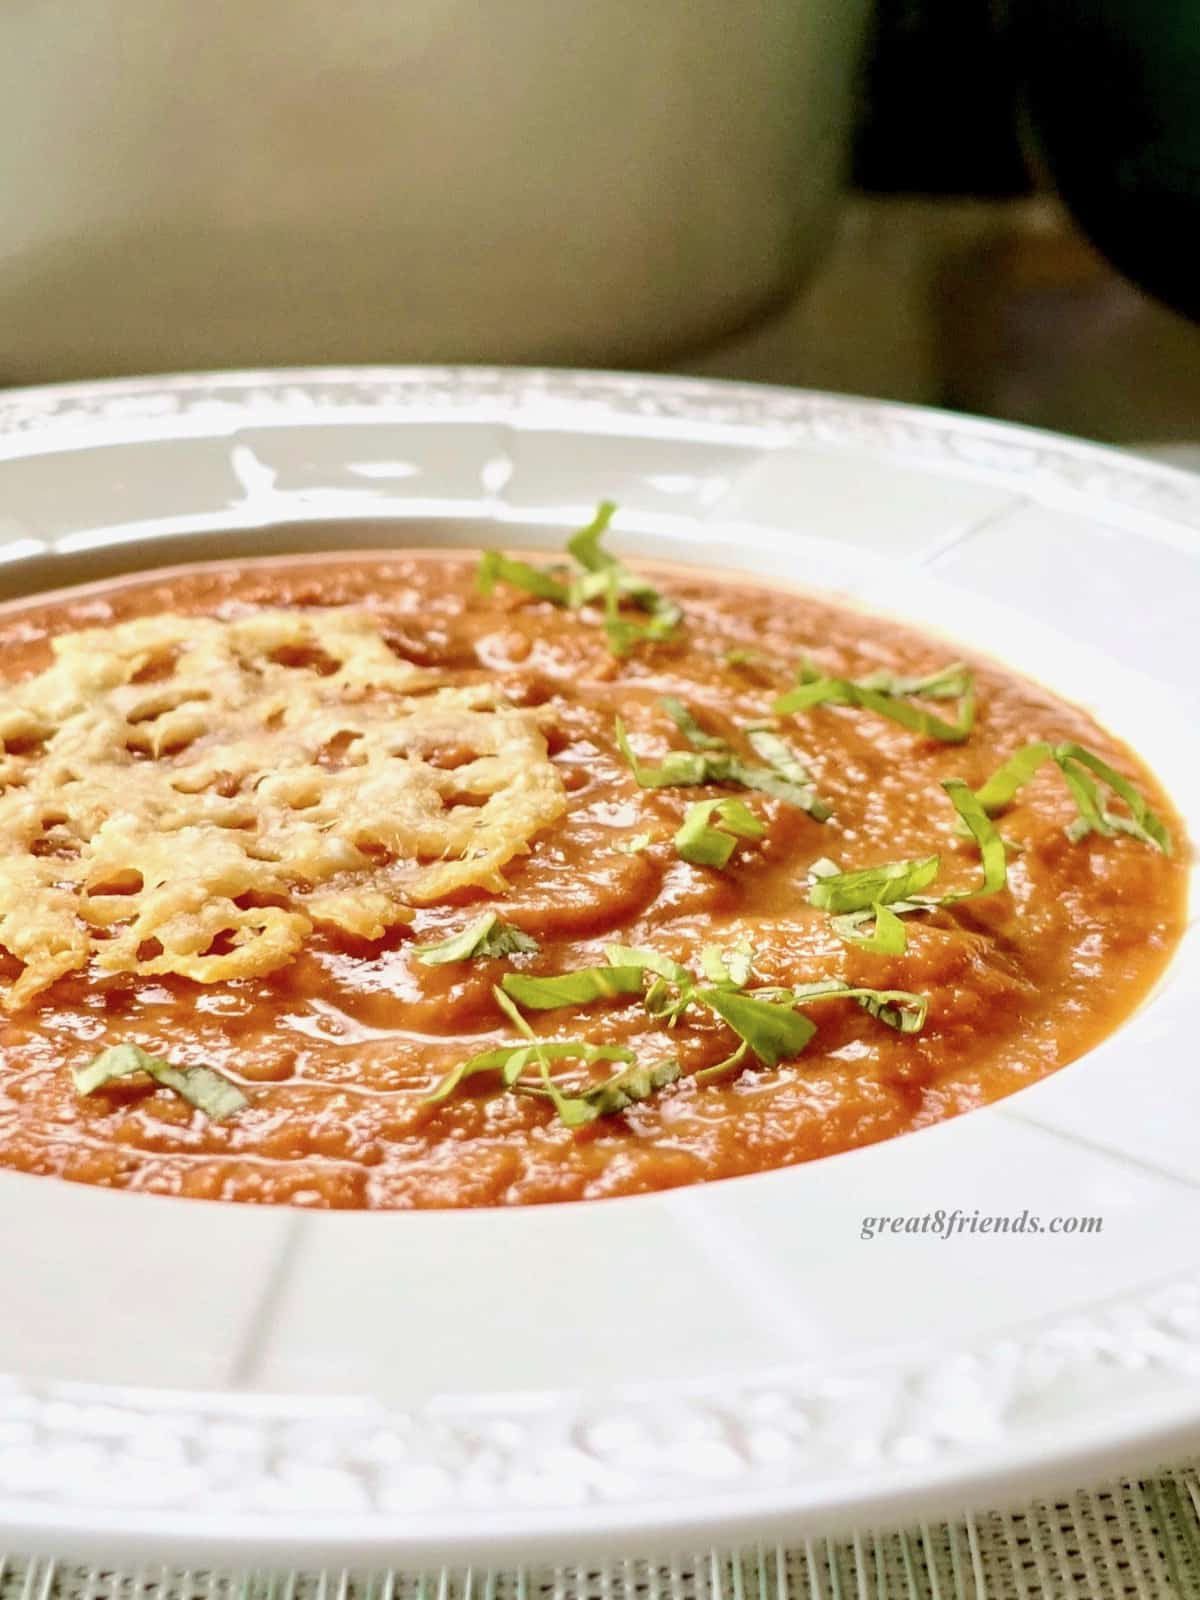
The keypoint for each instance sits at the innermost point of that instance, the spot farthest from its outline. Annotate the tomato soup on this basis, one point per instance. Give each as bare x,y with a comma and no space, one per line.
358,882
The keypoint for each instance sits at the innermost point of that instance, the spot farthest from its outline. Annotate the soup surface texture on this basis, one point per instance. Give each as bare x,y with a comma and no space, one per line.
236,816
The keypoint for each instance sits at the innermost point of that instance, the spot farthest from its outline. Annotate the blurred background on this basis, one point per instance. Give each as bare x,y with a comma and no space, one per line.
969,203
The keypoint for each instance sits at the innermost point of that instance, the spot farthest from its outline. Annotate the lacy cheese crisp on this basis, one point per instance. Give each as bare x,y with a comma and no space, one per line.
192,796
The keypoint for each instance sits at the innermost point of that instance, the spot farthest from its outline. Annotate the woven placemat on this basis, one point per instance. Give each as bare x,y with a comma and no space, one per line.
1139,1539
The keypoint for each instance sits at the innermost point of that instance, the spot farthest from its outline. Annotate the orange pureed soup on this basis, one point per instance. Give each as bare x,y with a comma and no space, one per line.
406,881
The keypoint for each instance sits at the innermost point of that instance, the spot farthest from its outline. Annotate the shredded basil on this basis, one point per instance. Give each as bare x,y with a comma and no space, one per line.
1001,788
599,577
633,1083
625,955
677,768
635,844
1080,768
866,886
495,567
689,727
948,683
728,968
890,697
720,1068
896,1008
858,898
991,846
712,761
486,937
670,992
584,546
773,1031
572,988
887,936
706,845
203,1087
511,1060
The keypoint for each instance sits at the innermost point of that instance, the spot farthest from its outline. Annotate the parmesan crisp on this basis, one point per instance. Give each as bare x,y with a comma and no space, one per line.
192,796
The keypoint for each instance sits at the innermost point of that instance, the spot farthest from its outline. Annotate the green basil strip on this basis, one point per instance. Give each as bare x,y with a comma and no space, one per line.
623,632
601,578
1079,768
669,994
572,988
768,781
686,768
887,936
778,754
623,1089
720,1068
203,1087
705,845
678,767
635,844
584,546
773,1032
495,567
689,727
785,775
1001,788
729,969
815,690
487,936
896,1008
948,683
1096,817
511,1060
626,955
991,846
868,886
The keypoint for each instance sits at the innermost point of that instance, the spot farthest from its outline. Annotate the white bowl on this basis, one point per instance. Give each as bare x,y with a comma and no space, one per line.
246,1386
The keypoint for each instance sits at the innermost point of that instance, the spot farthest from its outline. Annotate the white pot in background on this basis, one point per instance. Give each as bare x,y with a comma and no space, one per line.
236,182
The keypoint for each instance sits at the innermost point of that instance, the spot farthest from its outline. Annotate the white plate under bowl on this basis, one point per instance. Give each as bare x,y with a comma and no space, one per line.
211,1383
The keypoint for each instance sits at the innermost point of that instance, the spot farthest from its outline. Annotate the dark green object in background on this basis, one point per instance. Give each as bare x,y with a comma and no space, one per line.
1109,90
1113,89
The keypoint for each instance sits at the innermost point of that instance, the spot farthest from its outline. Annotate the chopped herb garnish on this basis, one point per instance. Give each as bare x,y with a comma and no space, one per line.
712,761
897,1008
868,886
891,697
766,1020
1080,769
511,1060
689,727
575,1108
203,1087
635,844
728,968
1001,788
991,845
887,936
706,845
599,578
584,545
633,1083
495,567
572,988
486,937
857,898
625,955
948,683
678,767
774,1031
